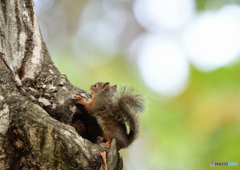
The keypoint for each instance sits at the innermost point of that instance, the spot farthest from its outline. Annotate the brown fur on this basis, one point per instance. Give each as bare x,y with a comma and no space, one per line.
113,110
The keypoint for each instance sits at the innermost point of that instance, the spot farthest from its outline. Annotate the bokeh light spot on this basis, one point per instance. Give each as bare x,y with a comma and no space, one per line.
168,14
162,64
213,38
99,32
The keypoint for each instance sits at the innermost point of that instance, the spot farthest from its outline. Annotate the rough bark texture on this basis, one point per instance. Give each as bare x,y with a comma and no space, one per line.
40,126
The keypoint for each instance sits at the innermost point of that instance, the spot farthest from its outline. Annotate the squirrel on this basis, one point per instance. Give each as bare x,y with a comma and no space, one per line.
113,110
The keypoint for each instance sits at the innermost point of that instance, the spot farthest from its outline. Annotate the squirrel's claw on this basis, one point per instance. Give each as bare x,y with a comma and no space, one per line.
78,99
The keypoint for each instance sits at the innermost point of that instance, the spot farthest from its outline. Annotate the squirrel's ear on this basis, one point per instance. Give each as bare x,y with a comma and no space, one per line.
114,87
105,86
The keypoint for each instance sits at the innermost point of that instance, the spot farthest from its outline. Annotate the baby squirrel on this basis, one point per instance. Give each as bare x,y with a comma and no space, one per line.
113,110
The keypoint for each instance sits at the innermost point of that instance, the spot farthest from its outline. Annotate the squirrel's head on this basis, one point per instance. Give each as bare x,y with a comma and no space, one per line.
101,87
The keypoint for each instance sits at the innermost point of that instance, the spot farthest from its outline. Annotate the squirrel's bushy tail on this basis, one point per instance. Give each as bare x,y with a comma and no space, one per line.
130,105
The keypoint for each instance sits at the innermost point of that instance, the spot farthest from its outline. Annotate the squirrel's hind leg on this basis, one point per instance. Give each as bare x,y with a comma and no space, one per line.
104,157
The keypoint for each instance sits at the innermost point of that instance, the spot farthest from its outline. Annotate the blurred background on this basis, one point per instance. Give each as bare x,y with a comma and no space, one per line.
182,55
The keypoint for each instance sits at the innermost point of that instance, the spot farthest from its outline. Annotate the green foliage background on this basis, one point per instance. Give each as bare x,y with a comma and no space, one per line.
189,131
186,132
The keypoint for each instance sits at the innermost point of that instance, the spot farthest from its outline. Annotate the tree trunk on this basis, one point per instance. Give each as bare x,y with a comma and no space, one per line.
40,126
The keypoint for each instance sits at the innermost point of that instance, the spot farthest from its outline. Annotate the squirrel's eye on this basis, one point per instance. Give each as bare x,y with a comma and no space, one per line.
95,85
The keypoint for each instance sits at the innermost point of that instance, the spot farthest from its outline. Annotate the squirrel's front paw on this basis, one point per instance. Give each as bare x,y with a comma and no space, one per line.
78,99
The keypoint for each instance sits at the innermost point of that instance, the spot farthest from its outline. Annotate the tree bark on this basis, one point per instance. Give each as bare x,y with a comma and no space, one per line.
40,126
